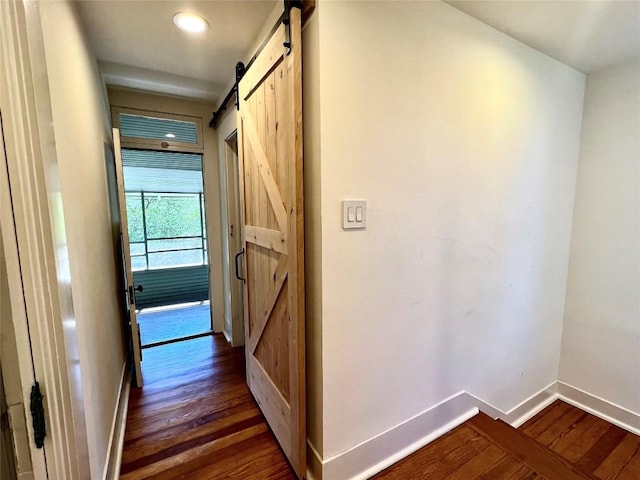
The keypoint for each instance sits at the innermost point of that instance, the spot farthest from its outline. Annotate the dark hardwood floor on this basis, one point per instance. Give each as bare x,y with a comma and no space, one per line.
461,454
591,444
195,418
560,443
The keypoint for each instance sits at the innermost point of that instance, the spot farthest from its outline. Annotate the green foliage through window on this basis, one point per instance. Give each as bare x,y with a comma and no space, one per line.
166,229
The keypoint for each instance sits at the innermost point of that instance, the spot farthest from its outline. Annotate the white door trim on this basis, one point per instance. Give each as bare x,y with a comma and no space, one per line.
234,239
30,209
19,353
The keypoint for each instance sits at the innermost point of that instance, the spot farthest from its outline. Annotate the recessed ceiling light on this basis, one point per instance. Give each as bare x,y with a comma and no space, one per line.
190,22
170,135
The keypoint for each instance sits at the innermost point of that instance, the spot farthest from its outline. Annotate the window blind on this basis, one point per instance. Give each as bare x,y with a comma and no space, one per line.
139,126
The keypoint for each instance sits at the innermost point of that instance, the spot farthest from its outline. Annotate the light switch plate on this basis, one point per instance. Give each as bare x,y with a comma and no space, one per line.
354,214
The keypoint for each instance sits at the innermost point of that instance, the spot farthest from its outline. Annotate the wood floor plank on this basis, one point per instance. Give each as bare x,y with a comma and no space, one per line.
597,454
631,471
540,415
561,427
188,443
574,435
582,445
228,460
439,458
262,466
533,454
458,457
478,464
200,456
620,457
205,424
509,467
545,421
183,412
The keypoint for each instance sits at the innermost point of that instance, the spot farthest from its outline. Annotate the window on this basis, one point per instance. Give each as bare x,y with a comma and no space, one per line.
166,230
162,131
139,126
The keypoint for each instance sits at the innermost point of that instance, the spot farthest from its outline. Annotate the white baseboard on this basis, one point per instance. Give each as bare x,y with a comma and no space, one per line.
226,335
383,450
524,410
116,439
599,407
314,462
377,453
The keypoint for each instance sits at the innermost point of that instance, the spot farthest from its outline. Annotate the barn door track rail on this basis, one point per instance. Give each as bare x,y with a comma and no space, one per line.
306,7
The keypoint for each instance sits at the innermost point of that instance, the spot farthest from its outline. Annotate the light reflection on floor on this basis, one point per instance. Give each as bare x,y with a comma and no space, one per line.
175,321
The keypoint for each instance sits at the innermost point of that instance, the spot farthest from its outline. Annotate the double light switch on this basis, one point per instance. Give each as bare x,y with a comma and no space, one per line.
354,214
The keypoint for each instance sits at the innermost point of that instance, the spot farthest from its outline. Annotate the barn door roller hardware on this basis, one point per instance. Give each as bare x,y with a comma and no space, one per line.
288,5
240,71
240,67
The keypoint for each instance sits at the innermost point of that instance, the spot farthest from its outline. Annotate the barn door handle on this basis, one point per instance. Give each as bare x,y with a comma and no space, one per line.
244,280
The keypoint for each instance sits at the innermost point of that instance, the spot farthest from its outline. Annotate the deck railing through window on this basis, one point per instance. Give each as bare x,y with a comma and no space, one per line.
166,229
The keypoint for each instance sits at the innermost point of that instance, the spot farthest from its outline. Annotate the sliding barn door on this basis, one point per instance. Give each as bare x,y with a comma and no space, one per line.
270,151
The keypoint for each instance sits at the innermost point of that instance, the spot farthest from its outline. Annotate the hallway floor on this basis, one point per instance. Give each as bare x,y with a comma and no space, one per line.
559,443
176,321
195,418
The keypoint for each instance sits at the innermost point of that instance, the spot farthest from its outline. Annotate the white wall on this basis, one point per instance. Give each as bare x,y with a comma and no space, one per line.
601,338
82,139
465,143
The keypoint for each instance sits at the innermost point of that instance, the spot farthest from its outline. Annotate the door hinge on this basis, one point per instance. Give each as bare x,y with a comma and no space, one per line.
4,422
37,415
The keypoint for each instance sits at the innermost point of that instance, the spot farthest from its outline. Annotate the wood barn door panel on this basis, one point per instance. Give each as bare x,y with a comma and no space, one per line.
273,349
270,151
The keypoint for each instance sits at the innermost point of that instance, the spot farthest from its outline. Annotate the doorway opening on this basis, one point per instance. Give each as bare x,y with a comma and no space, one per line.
266,407
234,309
166,222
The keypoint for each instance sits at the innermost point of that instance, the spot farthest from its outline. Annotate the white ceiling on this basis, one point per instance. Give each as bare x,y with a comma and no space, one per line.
138,46
586,34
